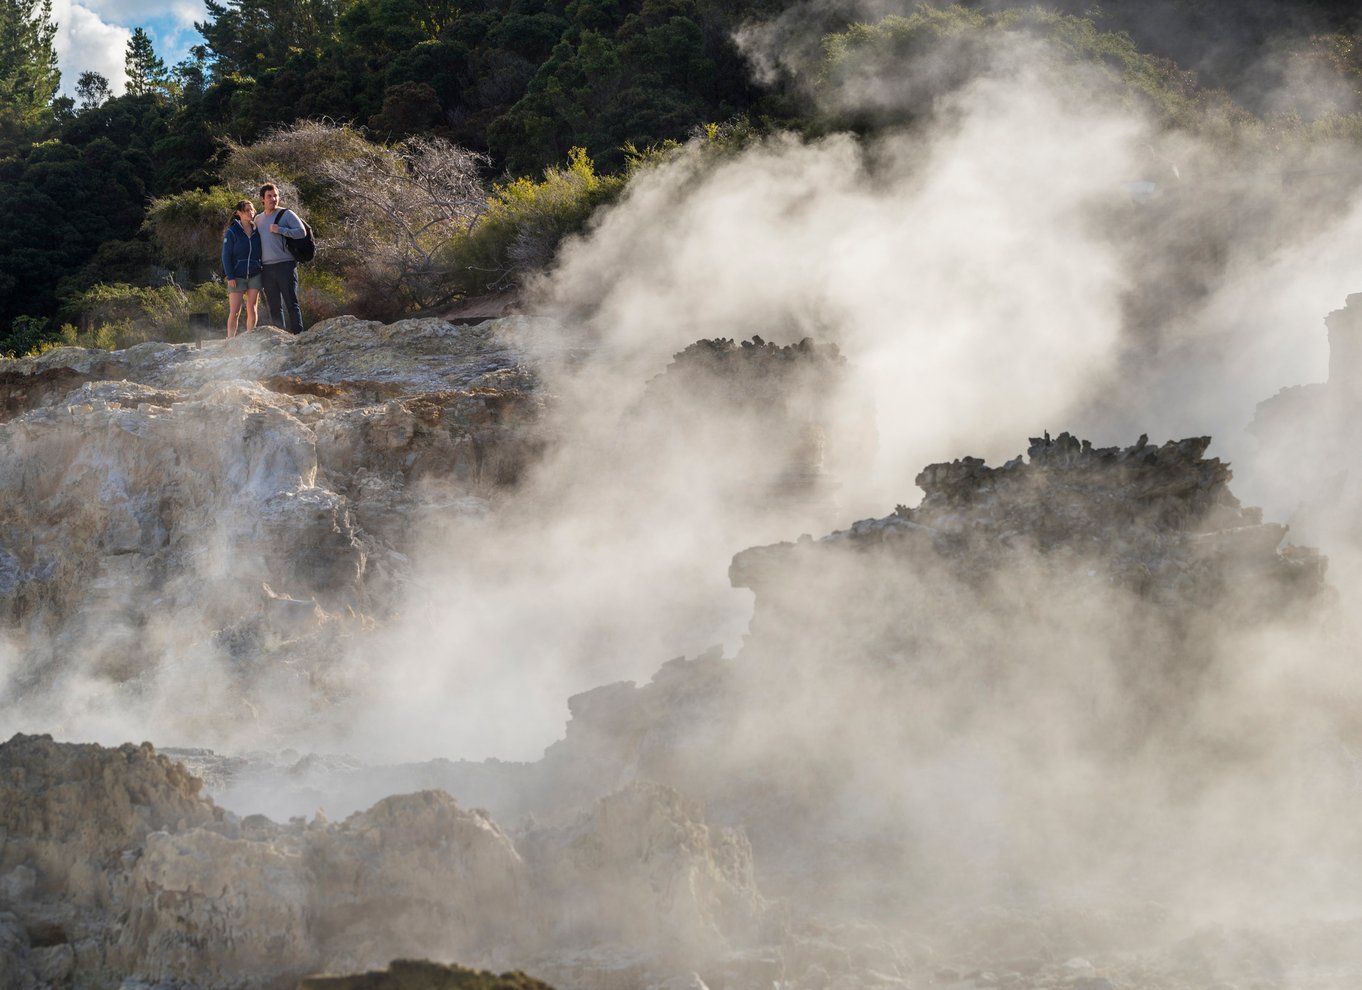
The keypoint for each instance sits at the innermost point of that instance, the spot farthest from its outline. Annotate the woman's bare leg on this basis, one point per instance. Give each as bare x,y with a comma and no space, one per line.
252,314
233,312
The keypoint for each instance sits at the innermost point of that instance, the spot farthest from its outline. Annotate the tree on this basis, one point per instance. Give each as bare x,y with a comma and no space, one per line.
408,108
147,75
428,192
251,36
28,66
79,198
189,77
526,222
92,90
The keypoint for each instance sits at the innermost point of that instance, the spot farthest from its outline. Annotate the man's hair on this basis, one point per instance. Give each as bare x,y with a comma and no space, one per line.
268,186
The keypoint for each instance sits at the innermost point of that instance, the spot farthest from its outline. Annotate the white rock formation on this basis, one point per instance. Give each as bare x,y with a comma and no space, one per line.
171,505
111,858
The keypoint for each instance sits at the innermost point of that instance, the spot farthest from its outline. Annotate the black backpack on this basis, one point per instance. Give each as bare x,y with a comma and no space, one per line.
301,248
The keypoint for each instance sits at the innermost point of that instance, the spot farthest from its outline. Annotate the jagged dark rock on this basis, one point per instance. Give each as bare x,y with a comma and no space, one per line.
770,407
410,974
1158,521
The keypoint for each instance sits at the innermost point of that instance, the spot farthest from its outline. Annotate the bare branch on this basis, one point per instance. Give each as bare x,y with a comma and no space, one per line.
392,210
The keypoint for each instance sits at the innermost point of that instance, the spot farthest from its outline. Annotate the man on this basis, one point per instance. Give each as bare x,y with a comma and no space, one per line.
280,271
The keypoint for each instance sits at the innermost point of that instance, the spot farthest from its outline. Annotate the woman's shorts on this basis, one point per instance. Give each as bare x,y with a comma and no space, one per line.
256,281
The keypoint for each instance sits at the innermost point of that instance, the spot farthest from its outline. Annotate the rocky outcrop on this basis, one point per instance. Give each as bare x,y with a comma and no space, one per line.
169,502
1307,457
113,856
1088,600
1345,350
338,358
415,874
69,813
960,703
446,881
775,409
643,872
1159,522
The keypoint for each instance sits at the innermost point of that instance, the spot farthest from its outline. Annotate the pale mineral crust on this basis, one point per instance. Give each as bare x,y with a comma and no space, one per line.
176,504
114,868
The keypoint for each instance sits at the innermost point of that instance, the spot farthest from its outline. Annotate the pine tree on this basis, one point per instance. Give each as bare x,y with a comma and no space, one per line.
146,71
28,66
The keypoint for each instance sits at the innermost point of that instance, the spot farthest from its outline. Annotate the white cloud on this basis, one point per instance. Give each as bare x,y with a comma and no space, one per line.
187,12
136,12
87,43
92,36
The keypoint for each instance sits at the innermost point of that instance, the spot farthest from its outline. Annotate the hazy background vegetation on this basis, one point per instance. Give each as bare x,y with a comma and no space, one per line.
444,149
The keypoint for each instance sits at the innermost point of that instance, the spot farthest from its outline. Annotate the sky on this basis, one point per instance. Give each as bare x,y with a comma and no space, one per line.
93,35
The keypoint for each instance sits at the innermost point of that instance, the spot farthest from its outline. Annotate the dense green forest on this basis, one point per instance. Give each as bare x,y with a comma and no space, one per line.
486,130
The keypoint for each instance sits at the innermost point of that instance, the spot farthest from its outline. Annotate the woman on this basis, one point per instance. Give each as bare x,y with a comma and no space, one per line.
241,262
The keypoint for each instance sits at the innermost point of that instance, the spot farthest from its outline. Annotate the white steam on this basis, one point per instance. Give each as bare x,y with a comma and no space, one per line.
980,277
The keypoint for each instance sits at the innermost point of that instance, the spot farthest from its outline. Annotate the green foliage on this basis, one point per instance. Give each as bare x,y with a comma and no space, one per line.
619,77
525,223
28,67
896,70
146,72
253,36
27,334
147,134
92,90
382,28
525,80
119,315
78,198
408,108
530,35
187,228
111,303
130,260
1152,83
1231,46
440,64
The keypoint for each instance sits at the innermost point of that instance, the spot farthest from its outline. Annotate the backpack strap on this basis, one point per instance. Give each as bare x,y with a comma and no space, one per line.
301,222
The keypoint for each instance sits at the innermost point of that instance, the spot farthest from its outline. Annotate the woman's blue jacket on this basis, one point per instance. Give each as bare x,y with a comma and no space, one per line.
240,252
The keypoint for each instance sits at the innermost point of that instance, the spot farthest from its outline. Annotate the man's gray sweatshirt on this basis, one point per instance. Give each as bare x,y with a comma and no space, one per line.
272,245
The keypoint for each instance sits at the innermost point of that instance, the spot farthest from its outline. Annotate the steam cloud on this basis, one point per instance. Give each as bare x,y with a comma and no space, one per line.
980,276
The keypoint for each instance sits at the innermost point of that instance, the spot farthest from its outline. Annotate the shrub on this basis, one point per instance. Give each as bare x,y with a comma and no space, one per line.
187,227
525,223
291,158
396,209
322,296
27,335
121,315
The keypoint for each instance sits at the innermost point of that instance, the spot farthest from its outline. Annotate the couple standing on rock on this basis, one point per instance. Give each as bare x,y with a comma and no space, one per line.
255,258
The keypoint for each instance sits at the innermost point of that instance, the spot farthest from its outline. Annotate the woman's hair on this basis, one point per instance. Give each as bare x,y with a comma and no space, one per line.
237,209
